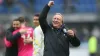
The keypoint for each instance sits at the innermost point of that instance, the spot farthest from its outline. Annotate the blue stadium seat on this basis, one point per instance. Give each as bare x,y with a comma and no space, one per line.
54,9
38,8
85,6
57,9
15,9
39,4
25,2
3,10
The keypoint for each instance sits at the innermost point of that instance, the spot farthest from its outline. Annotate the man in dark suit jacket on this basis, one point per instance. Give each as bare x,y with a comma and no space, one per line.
13,50
56,36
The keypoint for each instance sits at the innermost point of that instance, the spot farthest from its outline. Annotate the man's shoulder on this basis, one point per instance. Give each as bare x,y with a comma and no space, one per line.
38,28
11,29
14,32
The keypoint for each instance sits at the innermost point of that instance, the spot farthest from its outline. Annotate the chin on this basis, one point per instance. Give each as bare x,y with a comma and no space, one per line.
55,26
15,28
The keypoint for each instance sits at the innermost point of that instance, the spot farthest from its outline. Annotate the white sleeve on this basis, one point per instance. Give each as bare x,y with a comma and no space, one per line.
37,43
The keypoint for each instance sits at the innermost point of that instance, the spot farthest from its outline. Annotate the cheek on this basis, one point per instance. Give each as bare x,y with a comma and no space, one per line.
59,23
19,26
37,22
53,19
33,22
14,25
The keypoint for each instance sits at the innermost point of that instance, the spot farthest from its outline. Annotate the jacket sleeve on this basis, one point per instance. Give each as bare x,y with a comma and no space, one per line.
74,41
43,17
10,36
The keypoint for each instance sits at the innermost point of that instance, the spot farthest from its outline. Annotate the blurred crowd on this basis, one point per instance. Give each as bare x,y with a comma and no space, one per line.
65,6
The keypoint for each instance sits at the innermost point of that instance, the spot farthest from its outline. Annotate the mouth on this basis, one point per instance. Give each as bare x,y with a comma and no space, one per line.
55,22
15,28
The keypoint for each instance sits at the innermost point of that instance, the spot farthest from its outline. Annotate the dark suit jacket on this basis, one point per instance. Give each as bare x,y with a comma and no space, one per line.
56,41
12,51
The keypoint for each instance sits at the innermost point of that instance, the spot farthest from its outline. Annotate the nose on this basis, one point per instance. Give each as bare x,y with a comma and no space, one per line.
15,26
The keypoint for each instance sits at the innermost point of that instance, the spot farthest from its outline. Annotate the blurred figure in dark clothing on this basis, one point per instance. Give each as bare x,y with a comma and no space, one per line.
2,31
9,2
13,50
56,36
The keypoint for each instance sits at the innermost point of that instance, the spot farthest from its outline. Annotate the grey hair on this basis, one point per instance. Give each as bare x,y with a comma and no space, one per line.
61,16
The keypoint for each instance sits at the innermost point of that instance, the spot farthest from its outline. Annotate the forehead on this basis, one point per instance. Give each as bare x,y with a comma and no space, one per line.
58,16
35,17
16,22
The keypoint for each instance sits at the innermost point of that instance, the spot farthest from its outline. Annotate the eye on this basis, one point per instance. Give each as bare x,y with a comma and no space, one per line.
14,24
54,18
57,18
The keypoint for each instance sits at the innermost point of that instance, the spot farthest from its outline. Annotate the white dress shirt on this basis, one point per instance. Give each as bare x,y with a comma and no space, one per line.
38,42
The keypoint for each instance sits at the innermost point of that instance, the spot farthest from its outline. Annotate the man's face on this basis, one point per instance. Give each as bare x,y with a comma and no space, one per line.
36,20
16,24
57,21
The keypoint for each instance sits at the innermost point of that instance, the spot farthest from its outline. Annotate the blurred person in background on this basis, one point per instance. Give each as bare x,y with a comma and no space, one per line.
2,31
13,50
25,47
56,36
1,1
92,44
36,20
9,3
38,41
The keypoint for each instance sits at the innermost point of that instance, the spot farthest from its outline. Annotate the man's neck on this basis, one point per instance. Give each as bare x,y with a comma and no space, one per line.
37,25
